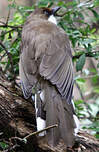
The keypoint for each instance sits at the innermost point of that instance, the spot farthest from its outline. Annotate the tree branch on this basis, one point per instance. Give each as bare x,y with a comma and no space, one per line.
5,25
32,134
9,56
8,17
2,56
37,132
90,54
8,32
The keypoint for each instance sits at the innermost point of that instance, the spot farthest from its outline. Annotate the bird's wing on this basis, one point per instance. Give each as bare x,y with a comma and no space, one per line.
27,63
56,64
46,47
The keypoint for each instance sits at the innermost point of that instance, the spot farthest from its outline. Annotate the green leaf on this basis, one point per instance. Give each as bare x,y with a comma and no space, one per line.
93,70
3,145
97,136
96,90
95,79
80,63
93,30
79,102
88,41
81,80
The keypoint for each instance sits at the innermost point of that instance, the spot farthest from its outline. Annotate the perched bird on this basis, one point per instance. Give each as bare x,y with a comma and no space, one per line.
46,73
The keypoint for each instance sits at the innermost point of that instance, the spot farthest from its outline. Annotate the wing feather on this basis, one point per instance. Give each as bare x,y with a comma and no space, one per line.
58,66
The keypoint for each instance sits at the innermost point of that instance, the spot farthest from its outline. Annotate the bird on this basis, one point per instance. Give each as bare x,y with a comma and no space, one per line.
46,75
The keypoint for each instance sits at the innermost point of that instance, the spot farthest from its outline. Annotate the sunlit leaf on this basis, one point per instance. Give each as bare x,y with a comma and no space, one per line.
79,102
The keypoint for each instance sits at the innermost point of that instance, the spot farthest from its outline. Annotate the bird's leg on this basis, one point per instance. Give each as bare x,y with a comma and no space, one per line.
41,123
77,123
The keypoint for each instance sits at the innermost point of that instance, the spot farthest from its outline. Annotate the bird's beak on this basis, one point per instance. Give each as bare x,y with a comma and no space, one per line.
54,10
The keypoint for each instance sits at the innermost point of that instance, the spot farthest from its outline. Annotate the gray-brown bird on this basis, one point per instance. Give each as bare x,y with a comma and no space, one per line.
46,73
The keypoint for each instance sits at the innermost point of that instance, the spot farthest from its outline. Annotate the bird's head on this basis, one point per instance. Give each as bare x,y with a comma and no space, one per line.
47,13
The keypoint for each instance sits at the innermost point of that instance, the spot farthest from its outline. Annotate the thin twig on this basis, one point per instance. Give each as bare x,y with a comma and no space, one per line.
4,25
89,76
79,7
15,27
8,32
16,138
11,148
2,56
9,91
32,134
9,56
37,132
2,22
8,17
90,54
90,118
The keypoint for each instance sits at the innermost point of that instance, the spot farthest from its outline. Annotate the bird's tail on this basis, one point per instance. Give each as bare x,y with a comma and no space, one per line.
58,111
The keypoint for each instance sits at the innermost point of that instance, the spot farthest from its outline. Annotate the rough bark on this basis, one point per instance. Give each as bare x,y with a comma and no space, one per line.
17,119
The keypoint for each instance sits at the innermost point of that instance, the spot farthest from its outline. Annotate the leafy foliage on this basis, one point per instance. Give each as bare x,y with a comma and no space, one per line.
88,113
81,34
80,62
3,145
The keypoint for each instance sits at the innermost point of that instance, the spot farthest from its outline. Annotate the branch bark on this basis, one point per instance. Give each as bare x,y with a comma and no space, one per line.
17,121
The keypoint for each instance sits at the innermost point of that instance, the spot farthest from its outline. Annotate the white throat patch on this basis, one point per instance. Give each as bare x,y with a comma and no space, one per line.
52,19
